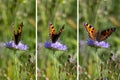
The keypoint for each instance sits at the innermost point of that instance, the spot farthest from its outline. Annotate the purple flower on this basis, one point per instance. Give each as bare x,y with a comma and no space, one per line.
101,44
12,45
57,46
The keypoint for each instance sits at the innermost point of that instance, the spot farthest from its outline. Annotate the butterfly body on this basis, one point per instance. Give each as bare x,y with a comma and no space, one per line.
17,36
52,33
98,35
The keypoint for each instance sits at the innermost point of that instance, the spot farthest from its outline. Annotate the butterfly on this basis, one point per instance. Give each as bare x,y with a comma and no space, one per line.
98,35
52,33
17,36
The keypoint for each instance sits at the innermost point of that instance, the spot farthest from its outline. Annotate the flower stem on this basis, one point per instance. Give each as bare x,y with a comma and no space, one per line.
16,70
55,65
97,61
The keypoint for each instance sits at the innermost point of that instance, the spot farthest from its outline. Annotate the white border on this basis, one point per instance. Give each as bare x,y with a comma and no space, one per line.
36,37
77,39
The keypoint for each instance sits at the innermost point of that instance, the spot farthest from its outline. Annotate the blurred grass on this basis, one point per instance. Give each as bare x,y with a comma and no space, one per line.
51,65
99,64
17,11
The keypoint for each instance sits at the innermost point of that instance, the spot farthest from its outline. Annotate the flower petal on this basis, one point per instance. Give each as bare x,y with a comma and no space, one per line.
57,45
97,44
12,45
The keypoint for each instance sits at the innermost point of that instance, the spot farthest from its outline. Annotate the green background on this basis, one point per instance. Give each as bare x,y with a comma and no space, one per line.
19,65
54,65
99,63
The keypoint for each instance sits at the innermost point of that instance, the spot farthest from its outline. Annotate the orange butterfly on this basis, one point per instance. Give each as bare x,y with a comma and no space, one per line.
17,36
53,35
98,35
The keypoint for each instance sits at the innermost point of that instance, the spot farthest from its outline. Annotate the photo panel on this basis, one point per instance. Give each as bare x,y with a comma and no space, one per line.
57,39
99,55
17,40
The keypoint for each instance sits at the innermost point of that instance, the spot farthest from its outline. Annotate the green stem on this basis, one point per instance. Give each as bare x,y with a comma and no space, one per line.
55,65
16,70
97,61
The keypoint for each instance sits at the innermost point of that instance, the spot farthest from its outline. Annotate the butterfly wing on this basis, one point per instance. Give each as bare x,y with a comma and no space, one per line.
106,33
17,36
51,31
91,31
53,35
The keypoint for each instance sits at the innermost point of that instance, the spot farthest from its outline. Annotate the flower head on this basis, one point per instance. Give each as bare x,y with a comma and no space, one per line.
101,44
57,45
12,45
